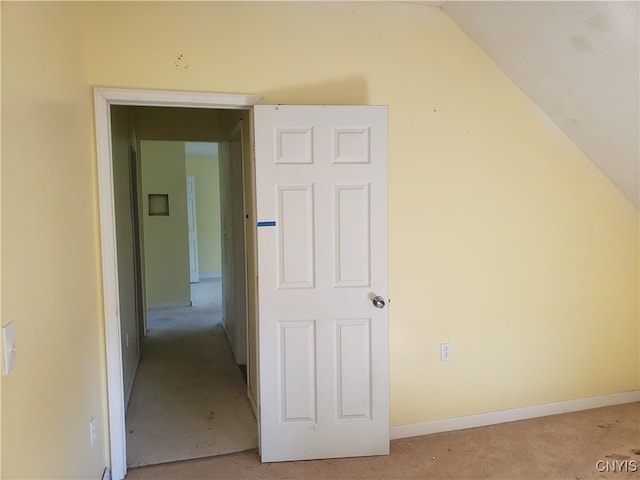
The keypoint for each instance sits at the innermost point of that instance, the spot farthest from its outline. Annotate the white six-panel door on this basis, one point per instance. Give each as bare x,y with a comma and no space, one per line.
321,190
194,268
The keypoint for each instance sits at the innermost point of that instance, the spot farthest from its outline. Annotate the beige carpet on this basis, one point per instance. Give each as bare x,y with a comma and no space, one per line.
558,447
189,398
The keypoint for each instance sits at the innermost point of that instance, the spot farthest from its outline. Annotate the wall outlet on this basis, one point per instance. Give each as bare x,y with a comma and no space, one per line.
92,431
445,352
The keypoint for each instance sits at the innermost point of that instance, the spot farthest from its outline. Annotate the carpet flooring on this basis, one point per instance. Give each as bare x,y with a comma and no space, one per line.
189,397
592,444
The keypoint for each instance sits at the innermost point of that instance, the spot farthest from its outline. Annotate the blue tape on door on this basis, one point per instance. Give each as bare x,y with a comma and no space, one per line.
267,224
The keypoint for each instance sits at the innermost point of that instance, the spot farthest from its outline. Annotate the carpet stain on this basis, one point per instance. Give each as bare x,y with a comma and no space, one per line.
636,451
608,425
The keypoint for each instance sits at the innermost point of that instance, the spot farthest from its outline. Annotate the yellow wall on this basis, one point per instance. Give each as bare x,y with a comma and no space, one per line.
205,171
51,284
166,244
523,255
526,253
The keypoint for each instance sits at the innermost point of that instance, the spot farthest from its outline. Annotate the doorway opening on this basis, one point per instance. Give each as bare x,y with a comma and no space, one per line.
123,261
189,396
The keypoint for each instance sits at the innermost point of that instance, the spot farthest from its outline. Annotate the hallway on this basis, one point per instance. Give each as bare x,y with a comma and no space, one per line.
189,398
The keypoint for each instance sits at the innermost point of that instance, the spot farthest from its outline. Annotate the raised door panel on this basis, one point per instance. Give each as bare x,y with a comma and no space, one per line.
353,360
296,239
297,371
351,224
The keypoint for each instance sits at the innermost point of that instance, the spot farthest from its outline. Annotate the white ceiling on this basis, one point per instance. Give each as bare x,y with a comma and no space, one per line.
578,61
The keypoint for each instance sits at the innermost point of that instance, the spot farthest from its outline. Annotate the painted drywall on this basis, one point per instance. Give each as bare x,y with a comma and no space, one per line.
182,124
522,254
166,244
120,135
51,286
205,171
546,48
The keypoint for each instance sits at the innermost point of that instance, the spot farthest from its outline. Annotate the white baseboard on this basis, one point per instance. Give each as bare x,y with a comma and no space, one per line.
159,306
204,276
492,418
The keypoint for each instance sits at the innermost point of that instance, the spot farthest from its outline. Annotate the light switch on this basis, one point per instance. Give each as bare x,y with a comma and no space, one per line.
9,347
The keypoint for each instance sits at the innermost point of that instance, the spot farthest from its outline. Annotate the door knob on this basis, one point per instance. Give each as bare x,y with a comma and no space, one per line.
378,302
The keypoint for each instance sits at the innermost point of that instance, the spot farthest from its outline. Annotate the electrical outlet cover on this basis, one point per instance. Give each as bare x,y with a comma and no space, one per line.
445,352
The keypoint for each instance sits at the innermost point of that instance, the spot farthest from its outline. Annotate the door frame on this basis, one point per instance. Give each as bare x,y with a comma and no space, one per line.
140,300
104,98
191,183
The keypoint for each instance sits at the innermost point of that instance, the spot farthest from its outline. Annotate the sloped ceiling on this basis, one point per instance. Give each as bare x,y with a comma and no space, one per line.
578,61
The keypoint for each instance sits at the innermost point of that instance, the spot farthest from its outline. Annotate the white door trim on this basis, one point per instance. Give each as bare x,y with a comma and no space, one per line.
103,99
192,226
